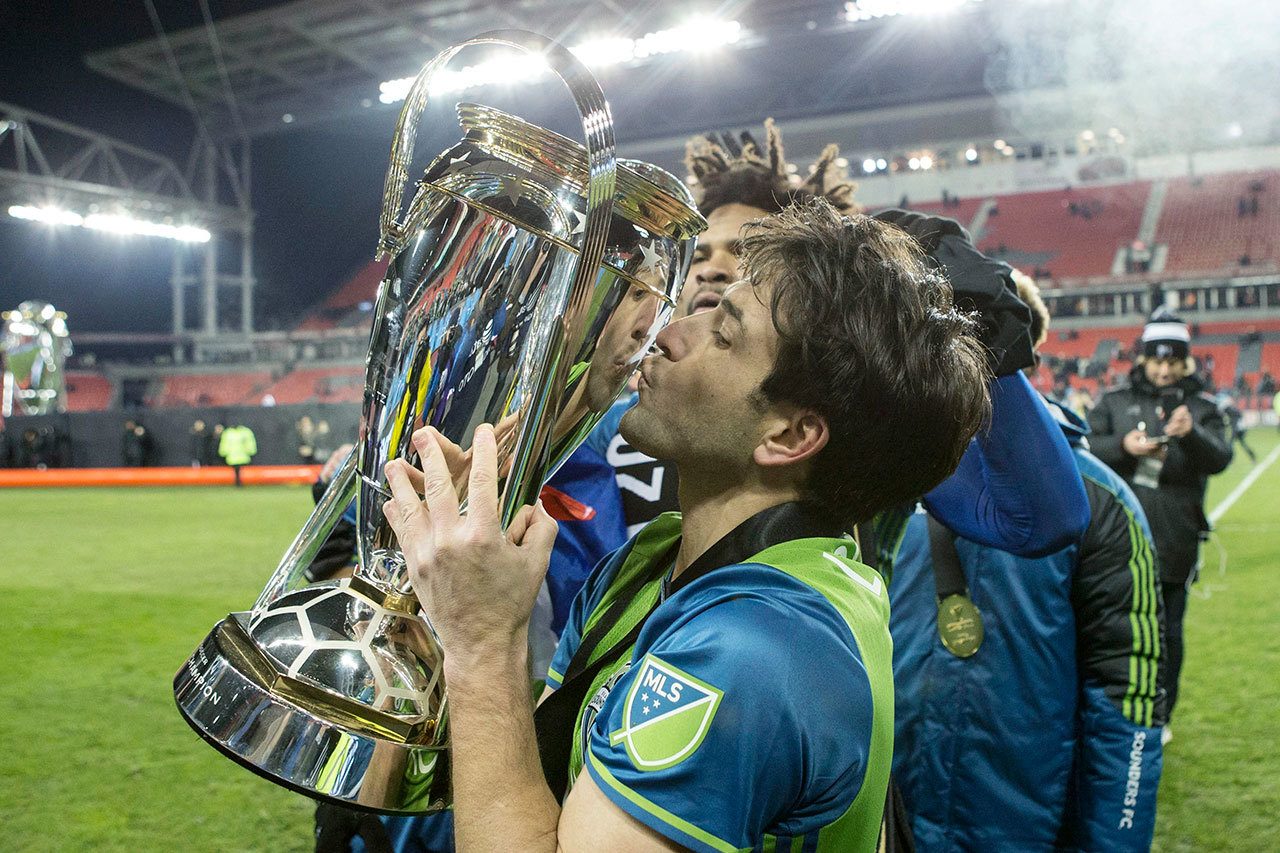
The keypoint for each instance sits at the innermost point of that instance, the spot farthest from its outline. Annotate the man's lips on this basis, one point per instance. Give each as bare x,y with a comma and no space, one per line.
646,372
707,300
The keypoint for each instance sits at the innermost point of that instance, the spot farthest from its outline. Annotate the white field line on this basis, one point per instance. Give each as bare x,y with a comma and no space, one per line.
1236,493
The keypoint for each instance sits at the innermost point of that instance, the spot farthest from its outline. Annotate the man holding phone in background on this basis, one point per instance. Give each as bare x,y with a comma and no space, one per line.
1165,436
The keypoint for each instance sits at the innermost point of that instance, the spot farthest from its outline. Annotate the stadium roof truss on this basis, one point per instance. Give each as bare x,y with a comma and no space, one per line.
45,160
312,60
64,174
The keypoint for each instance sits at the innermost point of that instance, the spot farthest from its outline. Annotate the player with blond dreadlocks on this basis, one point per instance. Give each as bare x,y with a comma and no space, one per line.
736,180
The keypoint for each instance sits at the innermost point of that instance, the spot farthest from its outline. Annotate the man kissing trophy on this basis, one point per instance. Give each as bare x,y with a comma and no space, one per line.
527,278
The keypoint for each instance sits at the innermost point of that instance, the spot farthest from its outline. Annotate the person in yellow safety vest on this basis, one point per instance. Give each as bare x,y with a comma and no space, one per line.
237,447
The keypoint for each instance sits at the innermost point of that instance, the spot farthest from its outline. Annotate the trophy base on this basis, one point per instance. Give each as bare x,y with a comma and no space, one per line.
235,704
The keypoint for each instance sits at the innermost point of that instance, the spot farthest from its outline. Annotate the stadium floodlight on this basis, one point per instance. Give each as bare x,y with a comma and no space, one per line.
913,164
868,165
857,11
971,154
601,52
119,223
926,162
48,215
698,35
116,223
1235,130
882,164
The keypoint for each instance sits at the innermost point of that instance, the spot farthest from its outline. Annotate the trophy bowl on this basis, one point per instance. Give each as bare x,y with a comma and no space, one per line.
528,276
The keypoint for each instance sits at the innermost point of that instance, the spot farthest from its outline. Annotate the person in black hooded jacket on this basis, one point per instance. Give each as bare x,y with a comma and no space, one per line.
1165,436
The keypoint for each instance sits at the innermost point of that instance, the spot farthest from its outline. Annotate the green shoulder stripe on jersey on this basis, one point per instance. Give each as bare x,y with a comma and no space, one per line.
650,545
1138,705
659,812
858,594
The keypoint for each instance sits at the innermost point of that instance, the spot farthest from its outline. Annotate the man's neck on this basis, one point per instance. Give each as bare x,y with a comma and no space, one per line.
708,514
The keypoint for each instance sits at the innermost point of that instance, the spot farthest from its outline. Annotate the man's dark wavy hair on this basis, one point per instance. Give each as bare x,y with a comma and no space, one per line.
870,339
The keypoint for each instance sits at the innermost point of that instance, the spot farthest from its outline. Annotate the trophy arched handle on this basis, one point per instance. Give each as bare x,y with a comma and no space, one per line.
597,128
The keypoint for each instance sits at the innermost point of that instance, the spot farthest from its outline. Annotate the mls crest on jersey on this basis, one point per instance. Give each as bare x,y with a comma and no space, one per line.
666,715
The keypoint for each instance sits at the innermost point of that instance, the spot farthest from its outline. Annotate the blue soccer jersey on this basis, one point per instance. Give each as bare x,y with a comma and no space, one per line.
755,710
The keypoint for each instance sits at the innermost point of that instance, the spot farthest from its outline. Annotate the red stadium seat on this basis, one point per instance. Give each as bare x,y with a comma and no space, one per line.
319,385
338,308
1084,343
88,392
1202,226
211,389
962,211
1038,230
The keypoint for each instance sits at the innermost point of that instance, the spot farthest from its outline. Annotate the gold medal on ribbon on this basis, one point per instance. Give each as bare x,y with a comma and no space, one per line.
959,625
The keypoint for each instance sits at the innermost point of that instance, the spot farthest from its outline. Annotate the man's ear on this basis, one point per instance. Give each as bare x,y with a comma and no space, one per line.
792,437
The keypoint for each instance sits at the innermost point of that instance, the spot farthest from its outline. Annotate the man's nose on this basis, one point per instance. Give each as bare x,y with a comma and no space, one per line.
643,321
713,274
671,341
720,268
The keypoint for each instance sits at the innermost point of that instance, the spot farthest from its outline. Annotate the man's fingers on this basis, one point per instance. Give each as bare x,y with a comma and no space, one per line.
406,496
415,478
391,512
519,524
482,490
541,535
437,485
457,458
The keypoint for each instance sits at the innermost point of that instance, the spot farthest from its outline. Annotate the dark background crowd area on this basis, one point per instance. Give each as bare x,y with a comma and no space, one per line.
286,435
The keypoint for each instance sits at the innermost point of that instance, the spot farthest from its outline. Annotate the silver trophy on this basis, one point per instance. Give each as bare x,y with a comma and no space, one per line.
34,344
528,277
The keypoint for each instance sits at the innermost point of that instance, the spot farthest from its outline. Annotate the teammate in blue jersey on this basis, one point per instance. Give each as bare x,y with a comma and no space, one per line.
994,497
1028,699
724,682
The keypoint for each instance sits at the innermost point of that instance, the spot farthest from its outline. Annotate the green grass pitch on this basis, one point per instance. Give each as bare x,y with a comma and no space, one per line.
106,591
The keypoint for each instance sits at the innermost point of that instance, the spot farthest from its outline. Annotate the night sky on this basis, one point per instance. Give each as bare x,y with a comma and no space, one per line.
317,190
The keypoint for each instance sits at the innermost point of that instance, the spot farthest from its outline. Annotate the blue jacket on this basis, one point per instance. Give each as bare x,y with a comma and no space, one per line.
1049,736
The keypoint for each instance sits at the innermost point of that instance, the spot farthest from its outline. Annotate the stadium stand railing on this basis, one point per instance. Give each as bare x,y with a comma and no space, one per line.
1071,237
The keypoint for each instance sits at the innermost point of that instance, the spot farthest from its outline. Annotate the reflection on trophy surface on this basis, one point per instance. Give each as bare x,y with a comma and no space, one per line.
34,344
528,277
